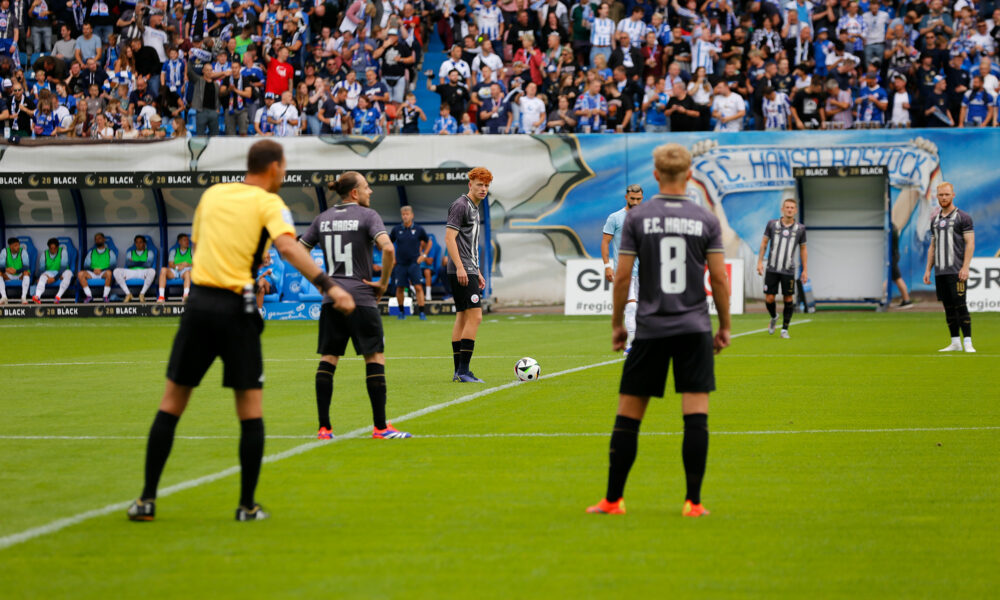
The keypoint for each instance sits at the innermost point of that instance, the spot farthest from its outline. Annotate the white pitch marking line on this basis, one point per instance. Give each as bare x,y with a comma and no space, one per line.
60,524
535,434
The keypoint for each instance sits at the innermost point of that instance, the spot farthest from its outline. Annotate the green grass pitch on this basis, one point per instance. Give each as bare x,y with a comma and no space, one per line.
853,460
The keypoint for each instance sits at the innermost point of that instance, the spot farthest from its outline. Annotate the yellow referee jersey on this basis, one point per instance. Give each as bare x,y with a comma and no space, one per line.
234,224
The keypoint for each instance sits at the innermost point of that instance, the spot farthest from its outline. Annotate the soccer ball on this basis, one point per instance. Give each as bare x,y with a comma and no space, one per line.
527,369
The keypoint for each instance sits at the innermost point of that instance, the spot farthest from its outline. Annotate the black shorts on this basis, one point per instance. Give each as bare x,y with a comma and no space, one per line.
466,296
896,273
214,325
363,327
645,371
950,290
771,281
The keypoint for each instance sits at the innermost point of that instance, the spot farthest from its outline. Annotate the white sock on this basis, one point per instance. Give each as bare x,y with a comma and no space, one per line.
3,289
40,288
145,287
630,309
968,341
86,290
25,284
107,290
66,281
161,292
957,341
187,290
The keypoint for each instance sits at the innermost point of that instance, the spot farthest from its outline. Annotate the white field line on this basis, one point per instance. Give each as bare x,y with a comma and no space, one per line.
534,434
60,524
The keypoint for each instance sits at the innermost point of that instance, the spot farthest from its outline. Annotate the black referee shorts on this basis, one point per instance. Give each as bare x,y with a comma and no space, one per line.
950,291
466,296
645,371
363,327
214,325
773,279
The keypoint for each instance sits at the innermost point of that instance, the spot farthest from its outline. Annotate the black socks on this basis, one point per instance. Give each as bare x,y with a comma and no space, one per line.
789,309
456,352
375,381
964,320
161,439
324,392
951,317
251,455
624,444
694,452
465,356
772,309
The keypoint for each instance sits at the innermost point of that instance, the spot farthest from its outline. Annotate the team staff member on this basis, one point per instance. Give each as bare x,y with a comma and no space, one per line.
612,236
412,246
784,235
673,239
347,233
462,241
953,242
231,228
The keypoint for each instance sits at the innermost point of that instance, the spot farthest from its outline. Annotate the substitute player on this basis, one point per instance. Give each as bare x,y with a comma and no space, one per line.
412,245
232,227
54,263
179,263
462,241
613,237
346,233
953,242
674,239
783,235
14,265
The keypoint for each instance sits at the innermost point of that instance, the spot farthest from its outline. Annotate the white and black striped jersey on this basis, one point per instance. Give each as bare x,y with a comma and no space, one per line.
784,241
776,111
601,32
948,233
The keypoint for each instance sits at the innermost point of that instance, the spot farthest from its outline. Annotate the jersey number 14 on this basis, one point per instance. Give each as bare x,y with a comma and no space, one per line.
336,253
673,265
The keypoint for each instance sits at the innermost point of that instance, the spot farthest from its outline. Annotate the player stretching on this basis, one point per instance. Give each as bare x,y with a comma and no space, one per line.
346,233
673,239
613,233
462,241
952,243
784,235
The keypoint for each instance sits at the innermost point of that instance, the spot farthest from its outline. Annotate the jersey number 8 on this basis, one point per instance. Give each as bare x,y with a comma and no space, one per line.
673,266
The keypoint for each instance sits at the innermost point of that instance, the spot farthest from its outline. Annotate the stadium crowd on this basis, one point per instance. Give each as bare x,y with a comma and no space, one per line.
125,69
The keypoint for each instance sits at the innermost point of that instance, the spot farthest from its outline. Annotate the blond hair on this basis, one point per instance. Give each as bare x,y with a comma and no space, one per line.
672,162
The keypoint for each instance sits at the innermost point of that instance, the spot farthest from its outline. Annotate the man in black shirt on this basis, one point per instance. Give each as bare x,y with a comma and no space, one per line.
681,109
936,113
807,107
453,93
959,81
395,56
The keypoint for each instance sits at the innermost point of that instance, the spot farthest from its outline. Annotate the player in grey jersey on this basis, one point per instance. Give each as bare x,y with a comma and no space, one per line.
464,273
785,236
346,233
952,243
673,240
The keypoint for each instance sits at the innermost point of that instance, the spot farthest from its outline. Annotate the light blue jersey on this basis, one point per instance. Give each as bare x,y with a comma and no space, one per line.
613,227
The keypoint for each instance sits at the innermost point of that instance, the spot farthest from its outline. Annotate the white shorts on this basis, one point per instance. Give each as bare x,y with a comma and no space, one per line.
633,290
178,272
92,275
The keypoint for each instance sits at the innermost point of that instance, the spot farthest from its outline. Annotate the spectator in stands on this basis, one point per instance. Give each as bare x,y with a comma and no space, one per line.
445,123
54,265
978,105
179,263
284,116
65,47
14,265
98,263
88,45
728,109
139,264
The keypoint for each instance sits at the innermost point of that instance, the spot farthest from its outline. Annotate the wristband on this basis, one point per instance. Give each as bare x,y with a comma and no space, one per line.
323,281
607,265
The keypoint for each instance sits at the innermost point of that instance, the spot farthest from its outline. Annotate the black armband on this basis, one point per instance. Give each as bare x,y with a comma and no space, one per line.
323,282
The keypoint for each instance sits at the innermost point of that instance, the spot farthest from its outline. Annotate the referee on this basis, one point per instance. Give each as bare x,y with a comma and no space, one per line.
233,225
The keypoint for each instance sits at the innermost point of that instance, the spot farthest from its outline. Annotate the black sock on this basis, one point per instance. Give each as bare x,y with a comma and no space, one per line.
375,381
251,455
694,452
420,309
161,439
787,316
964,320
772,309
951,317
468,346
624,444
324,392
456,352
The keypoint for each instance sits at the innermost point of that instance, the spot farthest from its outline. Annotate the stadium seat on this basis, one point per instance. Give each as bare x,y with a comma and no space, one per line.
67,244
156,256
32,260
176,282
435,256
297,287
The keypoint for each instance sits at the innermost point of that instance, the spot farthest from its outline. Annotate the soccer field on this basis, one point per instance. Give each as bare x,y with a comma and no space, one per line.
852,460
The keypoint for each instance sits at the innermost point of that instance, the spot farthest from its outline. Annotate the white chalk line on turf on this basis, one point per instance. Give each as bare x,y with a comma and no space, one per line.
530,434
266,360
60,524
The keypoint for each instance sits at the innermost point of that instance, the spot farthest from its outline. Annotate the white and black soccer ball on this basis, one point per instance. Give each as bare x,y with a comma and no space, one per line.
527,369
